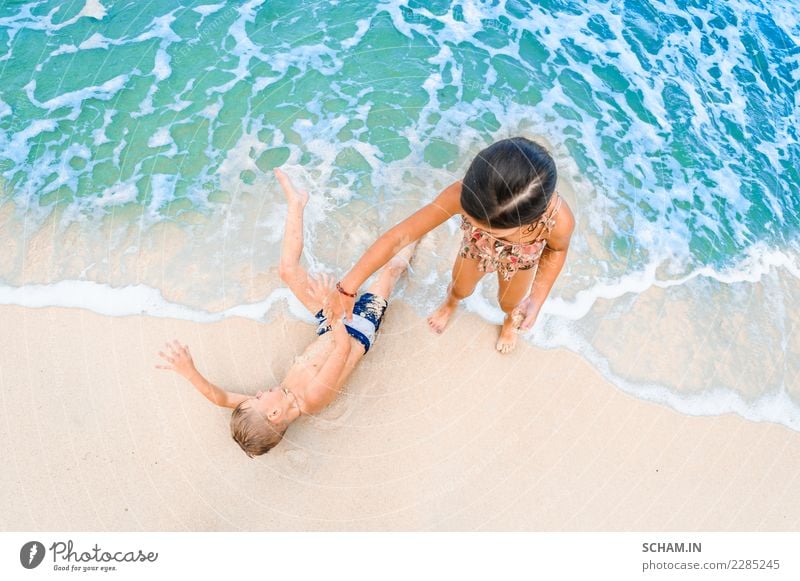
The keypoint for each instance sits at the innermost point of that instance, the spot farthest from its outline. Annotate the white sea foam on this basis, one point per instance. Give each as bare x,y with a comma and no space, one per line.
775,406
63,49
161,68
208,9
97,40
244,48
759,261
137,300
361,29
75,99
160,28
212,110
239,159
24,18
99,136
119,193
160,138
17,148
93,9
162,189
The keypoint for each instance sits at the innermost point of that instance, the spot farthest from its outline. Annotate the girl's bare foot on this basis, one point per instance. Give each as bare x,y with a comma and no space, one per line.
508,336
508,332
293,195
441,316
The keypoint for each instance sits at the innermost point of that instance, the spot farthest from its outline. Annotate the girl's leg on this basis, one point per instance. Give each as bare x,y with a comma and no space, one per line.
465,277
510,294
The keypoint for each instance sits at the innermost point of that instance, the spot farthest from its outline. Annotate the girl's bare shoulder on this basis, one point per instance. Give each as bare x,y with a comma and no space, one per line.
449,199
562,230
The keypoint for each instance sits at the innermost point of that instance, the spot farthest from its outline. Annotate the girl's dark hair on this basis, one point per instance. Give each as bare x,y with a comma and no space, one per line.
509,184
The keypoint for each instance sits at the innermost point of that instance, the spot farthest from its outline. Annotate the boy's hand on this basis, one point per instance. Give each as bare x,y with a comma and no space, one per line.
319,286
179,359
323,289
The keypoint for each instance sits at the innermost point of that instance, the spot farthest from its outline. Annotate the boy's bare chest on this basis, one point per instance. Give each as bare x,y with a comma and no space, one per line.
308,364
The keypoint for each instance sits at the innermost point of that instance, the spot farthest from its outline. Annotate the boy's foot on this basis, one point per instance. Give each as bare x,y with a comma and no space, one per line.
441,316
392,271
402,260
508,333
293,195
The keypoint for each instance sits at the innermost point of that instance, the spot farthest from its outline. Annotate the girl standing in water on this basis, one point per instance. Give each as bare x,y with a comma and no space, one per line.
513,222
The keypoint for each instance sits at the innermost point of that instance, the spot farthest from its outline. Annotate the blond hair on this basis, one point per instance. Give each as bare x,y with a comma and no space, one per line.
253,431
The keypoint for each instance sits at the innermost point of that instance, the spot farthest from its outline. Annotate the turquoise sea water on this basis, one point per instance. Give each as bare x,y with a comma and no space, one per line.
674,122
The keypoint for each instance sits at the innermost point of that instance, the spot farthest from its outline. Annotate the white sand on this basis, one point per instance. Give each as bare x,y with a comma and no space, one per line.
433,432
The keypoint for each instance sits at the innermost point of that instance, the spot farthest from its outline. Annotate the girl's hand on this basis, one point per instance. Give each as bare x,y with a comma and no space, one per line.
529,310
179,359
338,305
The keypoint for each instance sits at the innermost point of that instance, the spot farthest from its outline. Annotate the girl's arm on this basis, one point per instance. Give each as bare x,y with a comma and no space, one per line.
445,205
550,264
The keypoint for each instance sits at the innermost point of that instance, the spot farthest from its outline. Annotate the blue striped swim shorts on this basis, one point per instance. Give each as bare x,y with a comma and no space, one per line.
367,316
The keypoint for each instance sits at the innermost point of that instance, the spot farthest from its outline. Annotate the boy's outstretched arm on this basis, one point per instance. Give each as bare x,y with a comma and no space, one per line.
180,361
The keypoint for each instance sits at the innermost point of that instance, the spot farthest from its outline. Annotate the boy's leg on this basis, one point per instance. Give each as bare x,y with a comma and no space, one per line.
290,269
382,287
391,273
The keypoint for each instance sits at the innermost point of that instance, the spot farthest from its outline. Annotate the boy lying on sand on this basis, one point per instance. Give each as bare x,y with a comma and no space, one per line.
312,382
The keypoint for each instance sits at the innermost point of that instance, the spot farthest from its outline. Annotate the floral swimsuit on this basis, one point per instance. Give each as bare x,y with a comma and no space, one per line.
495,254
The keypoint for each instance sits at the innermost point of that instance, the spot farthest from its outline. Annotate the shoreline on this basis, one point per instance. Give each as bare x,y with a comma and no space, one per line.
648,360
97,439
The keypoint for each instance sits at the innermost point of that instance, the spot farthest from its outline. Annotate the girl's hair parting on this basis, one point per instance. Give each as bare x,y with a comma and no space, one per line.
509,184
